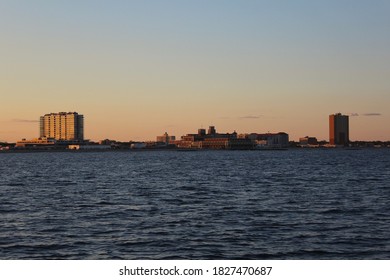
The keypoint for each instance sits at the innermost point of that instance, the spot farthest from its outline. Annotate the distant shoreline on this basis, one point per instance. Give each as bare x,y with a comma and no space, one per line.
185,150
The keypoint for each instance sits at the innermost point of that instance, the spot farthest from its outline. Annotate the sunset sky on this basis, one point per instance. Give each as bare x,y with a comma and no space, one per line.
136,69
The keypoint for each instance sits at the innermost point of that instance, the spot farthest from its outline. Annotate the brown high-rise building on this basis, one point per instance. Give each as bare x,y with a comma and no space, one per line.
338,129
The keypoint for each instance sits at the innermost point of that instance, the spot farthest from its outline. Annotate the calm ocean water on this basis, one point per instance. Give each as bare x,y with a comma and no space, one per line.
296,204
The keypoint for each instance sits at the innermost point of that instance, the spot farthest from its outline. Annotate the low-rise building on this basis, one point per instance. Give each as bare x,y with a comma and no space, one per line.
37,142
308,141
107,142
213,140
138,145
166,138
268,140
227,143
89,147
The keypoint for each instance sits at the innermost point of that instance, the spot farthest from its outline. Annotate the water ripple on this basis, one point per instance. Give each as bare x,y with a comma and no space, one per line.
297,204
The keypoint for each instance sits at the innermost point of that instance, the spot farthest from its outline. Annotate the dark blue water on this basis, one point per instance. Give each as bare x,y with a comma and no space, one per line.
296,204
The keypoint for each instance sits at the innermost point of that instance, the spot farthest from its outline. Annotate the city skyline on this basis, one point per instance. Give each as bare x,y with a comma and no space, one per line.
137,70
69,126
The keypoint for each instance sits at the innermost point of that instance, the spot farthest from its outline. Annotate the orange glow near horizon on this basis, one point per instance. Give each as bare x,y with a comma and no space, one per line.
137,70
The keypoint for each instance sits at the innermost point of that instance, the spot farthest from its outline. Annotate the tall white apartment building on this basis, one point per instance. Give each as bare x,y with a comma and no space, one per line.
62,126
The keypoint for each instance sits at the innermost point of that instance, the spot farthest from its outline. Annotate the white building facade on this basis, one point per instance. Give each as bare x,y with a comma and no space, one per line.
62,126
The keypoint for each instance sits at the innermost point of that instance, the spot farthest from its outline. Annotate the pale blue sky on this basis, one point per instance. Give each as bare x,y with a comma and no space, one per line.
136,69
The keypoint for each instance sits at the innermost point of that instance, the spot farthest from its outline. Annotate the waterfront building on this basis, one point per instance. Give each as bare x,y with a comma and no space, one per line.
213,140
183,143
268,140
308,141
62,126
36,143
202,132
338,129
107,142
89,147
226,144
211,130
138,145
166,138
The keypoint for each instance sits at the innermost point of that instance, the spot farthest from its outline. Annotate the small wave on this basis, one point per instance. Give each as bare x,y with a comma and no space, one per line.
16,184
